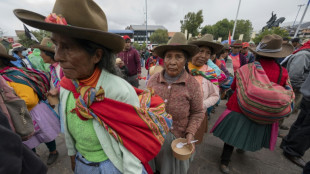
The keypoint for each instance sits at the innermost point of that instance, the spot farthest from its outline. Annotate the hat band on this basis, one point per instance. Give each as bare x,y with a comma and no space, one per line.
260,49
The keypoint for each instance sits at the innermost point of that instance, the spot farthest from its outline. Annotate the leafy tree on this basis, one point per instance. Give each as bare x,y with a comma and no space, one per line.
27,42
222,28
274,30
192,22
159,37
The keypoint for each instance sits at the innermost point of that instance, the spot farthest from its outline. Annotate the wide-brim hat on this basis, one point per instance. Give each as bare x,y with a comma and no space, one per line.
207,40
82,19
177,42
4,54
46,45
271,46
237,44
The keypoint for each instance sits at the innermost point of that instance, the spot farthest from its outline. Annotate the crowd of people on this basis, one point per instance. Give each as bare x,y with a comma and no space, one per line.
83,81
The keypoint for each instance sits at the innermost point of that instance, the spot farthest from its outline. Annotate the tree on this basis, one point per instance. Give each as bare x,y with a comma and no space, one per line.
159,37
27,42
274,30
192,22
222,28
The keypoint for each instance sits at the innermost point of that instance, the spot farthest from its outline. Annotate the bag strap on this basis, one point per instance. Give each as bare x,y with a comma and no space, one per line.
280,76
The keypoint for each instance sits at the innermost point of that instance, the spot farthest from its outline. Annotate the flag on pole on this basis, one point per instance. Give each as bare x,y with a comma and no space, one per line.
229,38
30,35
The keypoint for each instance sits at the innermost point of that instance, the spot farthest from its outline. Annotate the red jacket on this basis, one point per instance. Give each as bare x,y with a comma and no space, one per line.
131,59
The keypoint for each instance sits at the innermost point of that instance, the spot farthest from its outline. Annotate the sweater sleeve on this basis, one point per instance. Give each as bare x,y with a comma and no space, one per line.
210,94
196,109
138,62
297,66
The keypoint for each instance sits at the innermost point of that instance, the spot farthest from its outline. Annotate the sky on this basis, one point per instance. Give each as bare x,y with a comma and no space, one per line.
122,13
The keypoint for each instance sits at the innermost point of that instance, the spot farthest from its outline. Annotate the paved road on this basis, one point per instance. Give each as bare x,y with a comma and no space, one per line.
206,160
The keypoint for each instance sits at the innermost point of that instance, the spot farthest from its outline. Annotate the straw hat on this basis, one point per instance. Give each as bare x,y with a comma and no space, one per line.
207,40
46,45
271,46
4,54
237,44
155,69
177,42
82,19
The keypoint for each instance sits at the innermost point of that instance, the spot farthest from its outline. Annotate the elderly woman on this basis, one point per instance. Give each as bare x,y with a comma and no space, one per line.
198,68
104,126
183,98
236,127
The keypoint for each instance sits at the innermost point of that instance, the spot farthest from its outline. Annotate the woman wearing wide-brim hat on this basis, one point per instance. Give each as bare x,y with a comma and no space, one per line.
182,96
86,52
233,126
238,59
205,75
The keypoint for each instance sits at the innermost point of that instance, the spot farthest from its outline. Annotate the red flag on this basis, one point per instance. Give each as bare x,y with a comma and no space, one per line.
229,38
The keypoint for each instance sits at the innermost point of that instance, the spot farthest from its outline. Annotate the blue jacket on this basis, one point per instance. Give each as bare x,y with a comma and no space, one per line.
19,63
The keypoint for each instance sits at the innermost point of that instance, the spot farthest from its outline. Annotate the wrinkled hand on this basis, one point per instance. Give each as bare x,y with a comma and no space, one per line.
189,138
72,162
53,92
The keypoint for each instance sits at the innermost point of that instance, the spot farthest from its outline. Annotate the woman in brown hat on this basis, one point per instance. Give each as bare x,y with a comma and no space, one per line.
234,126
95,102
238,59
183,98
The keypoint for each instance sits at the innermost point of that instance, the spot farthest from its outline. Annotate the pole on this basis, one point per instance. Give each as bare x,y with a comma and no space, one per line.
297,13
146,22
236,20
302,18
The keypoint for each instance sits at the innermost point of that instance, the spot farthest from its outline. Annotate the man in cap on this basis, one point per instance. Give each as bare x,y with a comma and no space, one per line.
296,42
20,53
248,54
131,58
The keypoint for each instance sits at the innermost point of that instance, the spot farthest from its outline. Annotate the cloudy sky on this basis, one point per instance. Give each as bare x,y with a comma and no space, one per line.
122,13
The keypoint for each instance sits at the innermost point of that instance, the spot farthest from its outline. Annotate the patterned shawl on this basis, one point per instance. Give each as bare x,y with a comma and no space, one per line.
37,80
141,130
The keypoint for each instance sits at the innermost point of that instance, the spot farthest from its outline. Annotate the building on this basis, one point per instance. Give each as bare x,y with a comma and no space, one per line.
123,33
304,31
140,32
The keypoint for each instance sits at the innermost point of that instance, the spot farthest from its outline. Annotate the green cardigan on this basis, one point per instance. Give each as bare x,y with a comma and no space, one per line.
117,89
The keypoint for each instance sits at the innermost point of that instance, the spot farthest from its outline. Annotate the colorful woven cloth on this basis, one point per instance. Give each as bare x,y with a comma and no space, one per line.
259,99
141,130
37,80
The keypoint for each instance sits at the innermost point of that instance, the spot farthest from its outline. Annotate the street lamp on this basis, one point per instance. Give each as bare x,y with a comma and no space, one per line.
146,23
297,13
236,20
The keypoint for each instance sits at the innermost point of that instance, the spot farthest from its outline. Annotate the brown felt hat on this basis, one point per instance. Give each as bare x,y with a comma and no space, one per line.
237,44
207,40
271,46
4,54
177,42
82,19
46,45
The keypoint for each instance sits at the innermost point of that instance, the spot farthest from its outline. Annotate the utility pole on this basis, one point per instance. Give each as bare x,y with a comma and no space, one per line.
302,18
297,13
236,20
146,23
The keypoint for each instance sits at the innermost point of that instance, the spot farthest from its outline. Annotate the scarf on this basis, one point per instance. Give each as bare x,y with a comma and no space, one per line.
37,80
142,130
208,74
303,47
93,79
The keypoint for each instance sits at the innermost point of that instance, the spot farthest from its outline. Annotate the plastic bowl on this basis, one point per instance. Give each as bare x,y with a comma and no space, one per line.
183,153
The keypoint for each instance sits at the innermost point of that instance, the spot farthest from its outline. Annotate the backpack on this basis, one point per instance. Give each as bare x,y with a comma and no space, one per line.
259,99
16,111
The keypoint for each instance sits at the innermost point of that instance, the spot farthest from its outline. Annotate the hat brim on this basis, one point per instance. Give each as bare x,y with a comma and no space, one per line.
45,48
287,49
236,46
7,57
111,41
215,46
191,50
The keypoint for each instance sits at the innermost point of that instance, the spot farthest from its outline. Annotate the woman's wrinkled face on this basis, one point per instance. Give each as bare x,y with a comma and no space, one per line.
202,57
75,61
174,62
